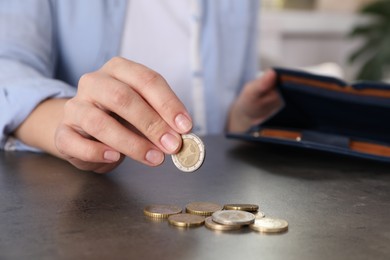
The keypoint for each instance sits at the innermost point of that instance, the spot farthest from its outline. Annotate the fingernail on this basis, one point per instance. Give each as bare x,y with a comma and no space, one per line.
170,142
111,156
183,123
154,157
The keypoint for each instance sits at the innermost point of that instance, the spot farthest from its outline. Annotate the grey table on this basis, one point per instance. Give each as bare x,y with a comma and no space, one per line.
337,207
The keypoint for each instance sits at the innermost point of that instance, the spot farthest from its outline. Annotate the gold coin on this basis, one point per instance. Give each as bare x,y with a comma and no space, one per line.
191,155
243,207
209,223
161,210
202,208
259,214
186,220
269,225
233,217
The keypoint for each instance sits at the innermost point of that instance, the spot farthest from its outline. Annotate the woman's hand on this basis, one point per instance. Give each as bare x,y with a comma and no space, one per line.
257,101
123,109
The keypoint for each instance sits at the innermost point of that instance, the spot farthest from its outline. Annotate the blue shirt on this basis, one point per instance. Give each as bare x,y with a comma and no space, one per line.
46,45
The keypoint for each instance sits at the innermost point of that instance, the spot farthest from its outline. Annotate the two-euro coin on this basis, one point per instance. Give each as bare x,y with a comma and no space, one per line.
191,155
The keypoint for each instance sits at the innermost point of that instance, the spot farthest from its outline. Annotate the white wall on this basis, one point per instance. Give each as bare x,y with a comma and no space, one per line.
306,38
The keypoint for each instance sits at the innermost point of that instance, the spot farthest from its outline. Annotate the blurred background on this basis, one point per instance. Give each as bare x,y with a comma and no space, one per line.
349,39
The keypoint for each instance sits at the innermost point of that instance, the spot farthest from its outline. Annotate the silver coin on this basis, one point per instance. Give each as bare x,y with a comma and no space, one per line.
233,217
269,225
209,223
191,155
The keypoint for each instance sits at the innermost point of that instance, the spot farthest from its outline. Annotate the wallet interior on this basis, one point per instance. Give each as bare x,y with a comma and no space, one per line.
326,113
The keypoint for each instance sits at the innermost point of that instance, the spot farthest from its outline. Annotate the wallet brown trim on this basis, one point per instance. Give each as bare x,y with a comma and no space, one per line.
381,93
370,148
280,134
354,145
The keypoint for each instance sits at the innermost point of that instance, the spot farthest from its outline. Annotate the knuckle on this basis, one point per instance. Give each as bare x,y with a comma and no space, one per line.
87,82
133,148
90,154
120,97
86,79
69,106
168,104
153,127
114,62
136,148
94,124
149,78
61,141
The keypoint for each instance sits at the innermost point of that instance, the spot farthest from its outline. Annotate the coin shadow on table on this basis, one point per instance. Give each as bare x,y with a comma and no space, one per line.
305,163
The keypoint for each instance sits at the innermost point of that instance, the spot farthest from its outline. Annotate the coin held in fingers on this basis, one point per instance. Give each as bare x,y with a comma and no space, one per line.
191,155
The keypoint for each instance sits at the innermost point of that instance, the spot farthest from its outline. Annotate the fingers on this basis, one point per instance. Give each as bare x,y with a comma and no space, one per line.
87,118
122,109
154,89
72,144
262,86
258,100
119,98
86,154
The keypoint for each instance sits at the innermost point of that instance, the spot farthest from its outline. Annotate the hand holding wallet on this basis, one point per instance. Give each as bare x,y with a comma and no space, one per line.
328,114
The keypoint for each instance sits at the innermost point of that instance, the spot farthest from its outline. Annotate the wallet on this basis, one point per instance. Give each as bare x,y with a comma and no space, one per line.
328,114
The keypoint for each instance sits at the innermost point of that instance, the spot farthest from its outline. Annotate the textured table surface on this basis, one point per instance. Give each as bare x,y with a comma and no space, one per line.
337,207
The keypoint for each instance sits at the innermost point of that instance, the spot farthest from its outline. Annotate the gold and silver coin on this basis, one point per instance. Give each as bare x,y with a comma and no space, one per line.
203,208
186,220
269,225
243,207
191,155
211,224
233,217
161,210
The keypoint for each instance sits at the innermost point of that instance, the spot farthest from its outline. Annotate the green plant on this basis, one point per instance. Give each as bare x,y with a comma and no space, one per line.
374,53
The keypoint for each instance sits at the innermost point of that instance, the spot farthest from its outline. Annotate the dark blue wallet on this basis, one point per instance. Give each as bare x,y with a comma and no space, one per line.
328,114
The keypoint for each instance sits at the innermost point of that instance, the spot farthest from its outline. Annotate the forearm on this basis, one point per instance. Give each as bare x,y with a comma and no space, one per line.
38,130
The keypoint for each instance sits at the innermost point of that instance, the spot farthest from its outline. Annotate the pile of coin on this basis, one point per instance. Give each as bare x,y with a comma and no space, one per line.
217,217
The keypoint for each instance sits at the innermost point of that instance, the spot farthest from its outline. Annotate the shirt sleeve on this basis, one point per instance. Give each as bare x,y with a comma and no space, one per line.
27,63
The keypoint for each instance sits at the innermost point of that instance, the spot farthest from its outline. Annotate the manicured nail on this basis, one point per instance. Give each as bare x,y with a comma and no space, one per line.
183,123
111,156
154,157
170,142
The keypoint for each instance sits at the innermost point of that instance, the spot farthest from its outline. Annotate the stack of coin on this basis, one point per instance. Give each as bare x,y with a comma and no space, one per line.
218,217
230,219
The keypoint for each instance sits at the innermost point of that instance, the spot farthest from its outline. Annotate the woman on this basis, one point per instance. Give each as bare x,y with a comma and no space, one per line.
94,81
